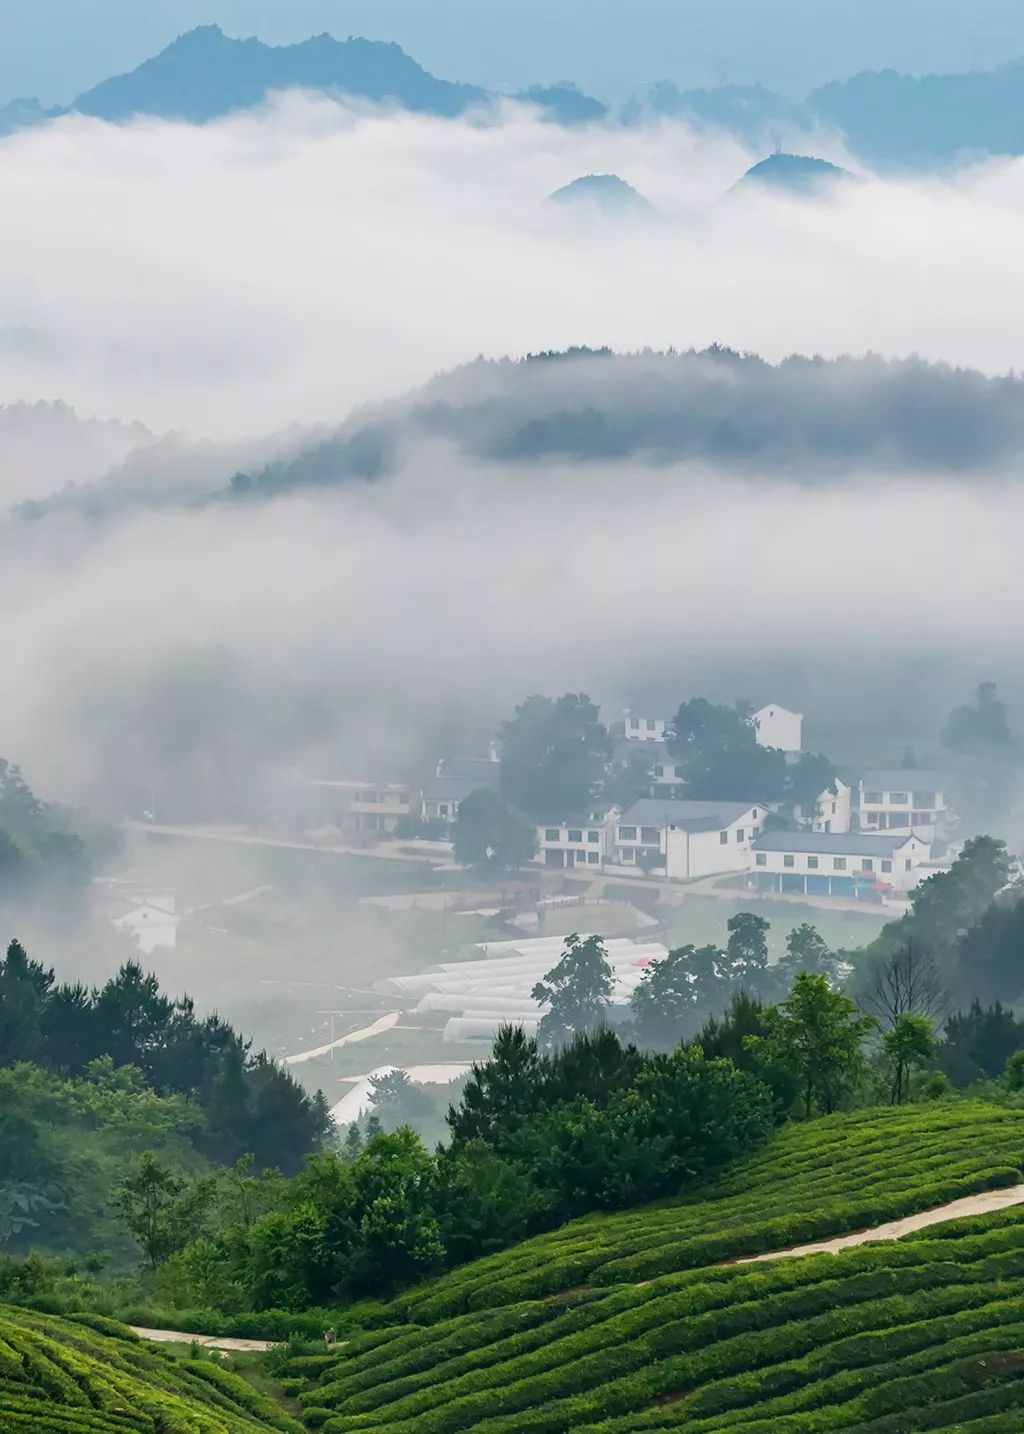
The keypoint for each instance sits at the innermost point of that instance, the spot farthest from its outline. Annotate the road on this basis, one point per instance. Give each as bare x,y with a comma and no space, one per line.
207,1341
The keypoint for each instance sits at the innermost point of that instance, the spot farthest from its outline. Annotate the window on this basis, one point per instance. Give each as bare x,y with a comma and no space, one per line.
552,834
873,799
812,863
634,721
833,808
723,838
907,864
839,863
899,799
887,866
789,861
755,833
581,857
867,864
761,859
924,799
627,833
921,819
739,833
593,857
575,834
442,809
593,837
651,834
650,724
754,814
899,819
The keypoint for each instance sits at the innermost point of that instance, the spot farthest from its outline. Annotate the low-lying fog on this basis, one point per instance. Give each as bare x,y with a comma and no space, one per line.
230,281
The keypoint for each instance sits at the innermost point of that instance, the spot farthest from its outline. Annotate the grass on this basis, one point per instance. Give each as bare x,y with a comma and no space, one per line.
88,1375
922,1333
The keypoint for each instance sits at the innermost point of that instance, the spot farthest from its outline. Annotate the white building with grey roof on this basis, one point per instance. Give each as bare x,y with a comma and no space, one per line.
683,840
904,799
829,864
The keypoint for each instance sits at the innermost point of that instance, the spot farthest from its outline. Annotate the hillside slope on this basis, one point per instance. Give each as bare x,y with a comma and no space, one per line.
632,1321
81,1376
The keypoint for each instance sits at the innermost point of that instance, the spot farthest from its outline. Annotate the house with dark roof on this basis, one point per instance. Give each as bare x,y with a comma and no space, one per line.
683,840
838,864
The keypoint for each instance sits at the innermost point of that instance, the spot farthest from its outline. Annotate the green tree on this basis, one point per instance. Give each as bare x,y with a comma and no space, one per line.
664,1001
910,1042
1013,1072
807,779
487,833
553,755
161,1211
818,1034
806,950
397,1101
981,727
501,1091
747,948
395,1212
978,1042
24,990
577,990
719,754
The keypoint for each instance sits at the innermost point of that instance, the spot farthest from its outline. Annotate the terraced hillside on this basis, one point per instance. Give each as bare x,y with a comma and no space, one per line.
628,1322
90,1376
840,1173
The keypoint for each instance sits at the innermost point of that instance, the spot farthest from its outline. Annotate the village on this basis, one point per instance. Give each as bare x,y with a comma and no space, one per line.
873,837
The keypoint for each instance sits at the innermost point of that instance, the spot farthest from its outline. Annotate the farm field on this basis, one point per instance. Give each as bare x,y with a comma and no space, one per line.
643,1320
88,1375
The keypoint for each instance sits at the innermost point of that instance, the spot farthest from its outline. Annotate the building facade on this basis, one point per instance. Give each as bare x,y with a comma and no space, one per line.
577,841
830,864
906,799
777,726
681,840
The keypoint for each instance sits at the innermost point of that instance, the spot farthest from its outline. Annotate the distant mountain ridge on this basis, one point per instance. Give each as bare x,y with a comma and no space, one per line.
890,120
205,74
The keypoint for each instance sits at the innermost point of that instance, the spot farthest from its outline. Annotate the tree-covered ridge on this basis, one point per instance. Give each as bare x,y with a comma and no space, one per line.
93,1078
814,419
91,1376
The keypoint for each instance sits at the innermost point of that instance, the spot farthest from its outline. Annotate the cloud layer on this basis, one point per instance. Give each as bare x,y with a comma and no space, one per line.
282,266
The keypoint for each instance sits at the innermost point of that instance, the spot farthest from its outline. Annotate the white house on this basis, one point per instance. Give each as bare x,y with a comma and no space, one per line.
577,841
904,799
830,864
664,774
779,727
353,805
151,920
644,729
833,811
687,839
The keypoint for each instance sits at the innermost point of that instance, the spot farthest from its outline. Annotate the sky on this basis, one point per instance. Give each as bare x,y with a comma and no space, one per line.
244,279
57,48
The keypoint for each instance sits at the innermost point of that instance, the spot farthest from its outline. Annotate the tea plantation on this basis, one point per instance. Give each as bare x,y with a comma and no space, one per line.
628,1322
88,1375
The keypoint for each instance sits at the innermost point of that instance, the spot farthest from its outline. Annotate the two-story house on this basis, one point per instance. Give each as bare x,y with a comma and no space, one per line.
577,841
778,727
905,799
686,839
